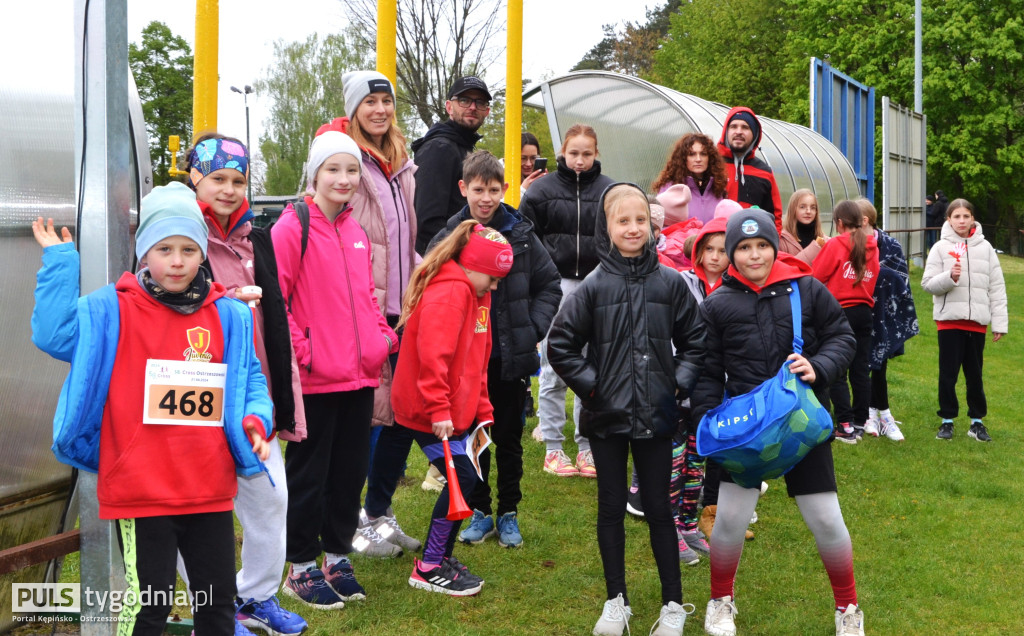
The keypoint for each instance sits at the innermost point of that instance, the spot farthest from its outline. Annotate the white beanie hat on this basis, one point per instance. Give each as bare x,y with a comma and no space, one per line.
358,84
325,146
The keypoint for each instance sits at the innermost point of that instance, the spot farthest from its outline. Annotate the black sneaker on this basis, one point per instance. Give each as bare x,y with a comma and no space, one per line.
444,579
845,433
469,576
979,432
633,505
946,431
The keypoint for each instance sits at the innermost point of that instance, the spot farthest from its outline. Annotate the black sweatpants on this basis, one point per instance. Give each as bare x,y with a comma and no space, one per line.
958,349
508,398
326,472
150,547
653,461
860,318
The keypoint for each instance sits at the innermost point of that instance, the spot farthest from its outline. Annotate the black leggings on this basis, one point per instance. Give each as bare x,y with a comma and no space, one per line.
860,318
880,388
653,461
961,349
326,472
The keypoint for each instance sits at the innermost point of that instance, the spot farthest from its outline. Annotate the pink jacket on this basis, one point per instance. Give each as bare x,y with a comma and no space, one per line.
384,208
340,336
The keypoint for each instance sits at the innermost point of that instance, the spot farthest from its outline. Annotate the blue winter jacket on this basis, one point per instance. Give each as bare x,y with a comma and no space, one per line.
84,331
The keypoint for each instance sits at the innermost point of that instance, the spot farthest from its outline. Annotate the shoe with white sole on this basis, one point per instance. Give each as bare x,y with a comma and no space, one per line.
850,622
672,619
890,427
614,618
718,620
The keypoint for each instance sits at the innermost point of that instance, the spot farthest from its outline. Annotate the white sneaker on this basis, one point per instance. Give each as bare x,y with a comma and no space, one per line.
850,622
614,618
753,518
872,427
890,428
434,480
672,619
537,434
718,620
764,487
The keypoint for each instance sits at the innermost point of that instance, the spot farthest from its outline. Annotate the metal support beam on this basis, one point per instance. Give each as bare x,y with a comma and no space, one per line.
103,177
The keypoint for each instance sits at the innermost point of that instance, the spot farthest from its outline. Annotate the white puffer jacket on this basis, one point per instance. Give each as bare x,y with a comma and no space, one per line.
980,294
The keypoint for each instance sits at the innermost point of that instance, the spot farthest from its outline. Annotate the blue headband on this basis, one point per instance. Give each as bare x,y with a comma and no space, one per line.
214,154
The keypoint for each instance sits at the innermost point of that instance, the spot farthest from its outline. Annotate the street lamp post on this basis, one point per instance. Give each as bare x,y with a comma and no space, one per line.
245,98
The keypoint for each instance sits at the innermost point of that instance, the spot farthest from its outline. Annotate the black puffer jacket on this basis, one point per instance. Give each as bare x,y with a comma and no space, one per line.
438,156
749,336
563,207
630,311
526,299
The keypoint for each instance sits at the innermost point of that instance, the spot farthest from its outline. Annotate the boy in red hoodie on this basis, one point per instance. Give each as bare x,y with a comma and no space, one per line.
749,336
163,380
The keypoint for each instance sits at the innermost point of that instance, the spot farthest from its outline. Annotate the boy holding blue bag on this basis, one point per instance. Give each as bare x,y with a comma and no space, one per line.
749,336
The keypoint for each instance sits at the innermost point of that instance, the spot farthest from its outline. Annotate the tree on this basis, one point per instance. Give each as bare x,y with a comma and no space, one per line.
162,65
599,57
437,42
726,52
304,85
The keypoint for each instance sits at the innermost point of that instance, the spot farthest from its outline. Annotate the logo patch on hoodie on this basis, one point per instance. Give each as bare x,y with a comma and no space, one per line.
198,343
481,321
359,245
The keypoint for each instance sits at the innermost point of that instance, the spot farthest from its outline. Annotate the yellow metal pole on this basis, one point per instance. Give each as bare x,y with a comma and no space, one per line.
205,77
513,100
387,21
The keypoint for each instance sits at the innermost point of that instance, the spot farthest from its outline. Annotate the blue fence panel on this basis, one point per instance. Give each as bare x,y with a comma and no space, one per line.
843,111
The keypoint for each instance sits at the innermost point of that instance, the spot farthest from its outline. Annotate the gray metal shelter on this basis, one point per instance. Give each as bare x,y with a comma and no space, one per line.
637,124
40,155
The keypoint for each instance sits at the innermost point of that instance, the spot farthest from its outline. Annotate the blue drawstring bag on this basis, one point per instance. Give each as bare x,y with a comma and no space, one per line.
763,434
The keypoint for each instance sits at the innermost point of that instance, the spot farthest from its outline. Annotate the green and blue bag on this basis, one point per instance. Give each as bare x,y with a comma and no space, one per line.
763,434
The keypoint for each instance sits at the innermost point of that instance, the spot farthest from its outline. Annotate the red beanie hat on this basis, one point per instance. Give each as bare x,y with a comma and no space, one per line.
487,252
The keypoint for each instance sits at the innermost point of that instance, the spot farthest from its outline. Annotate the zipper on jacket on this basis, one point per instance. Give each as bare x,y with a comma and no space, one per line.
309,340
970,300
351,302
578,229
404,218
632,329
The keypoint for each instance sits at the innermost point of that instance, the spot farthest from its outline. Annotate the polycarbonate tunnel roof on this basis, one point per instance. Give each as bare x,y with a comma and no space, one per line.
637,124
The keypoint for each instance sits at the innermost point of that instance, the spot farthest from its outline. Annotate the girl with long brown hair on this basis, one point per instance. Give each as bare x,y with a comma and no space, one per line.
695,163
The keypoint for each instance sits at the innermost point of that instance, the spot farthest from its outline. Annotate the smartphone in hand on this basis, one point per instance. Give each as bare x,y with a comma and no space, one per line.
540,163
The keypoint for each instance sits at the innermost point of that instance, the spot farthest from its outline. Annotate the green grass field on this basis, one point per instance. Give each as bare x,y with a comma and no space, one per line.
937,540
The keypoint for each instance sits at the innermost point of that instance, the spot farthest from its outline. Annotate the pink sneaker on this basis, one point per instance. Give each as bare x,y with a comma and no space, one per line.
557,463
585,464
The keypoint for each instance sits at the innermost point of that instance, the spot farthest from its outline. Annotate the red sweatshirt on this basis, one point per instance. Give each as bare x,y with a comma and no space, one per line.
148,470
832,267
442,366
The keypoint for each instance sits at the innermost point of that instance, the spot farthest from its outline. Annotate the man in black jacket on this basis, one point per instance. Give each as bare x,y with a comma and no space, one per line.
751,181
439,155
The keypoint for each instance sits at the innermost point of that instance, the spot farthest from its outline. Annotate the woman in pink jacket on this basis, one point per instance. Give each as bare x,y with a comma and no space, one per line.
341,340
383,206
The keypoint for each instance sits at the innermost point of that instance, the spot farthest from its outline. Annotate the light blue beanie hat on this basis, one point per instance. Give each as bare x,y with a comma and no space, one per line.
170,210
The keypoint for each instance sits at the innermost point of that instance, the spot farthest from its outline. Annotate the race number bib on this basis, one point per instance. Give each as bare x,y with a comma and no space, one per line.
184,393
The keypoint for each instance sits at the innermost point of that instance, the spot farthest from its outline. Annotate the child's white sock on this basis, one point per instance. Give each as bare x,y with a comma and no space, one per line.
884,413
330,558
302,567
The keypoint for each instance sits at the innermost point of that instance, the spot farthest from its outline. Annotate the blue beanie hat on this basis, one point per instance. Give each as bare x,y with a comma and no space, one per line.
169,210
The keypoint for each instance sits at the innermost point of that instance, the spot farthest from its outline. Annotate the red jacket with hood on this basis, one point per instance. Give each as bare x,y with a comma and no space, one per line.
442,368
751,181
832,267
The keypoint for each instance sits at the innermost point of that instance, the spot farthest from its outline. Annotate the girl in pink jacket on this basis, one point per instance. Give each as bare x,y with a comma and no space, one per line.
341,340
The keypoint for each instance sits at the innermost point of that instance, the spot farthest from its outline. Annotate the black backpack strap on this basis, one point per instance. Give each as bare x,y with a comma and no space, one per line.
302,211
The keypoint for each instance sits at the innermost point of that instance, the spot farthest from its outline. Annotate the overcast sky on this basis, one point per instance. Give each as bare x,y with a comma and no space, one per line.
558,34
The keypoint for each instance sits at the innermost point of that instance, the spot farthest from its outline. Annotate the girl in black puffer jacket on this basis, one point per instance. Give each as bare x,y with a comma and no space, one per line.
563,208
629,312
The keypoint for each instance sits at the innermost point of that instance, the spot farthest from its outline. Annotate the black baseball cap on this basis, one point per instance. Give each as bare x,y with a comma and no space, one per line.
468,83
